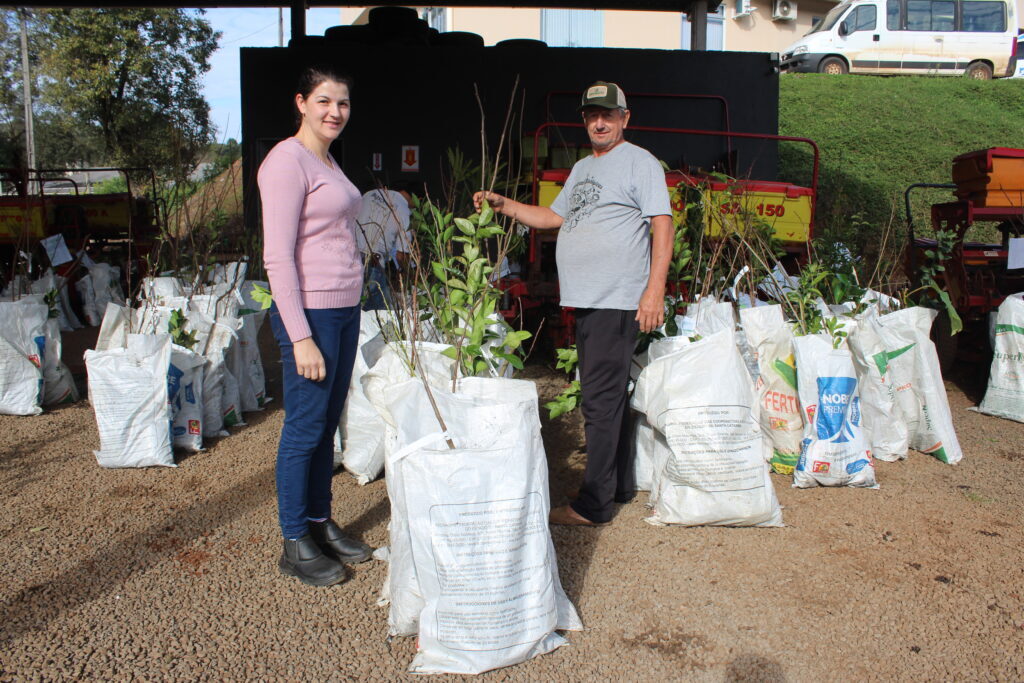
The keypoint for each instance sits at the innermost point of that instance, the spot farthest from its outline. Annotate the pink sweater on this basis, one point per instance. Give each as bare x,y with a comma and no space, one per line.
309,246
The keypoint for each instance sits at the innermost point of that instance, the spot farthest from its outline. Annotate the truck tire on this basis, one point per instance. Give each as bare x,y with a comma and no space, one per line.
979,71
834,66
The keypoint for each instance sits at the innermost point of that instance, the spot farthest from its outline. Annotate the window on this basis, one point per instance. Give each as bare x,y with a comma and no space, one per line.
863,18
435,18
931,15
983,16
716,30
572,27
892,15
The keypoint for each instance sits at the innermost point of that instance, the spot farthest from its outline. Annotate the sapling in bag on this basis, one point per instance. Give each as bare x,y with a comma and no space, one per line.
128,390
1004,396
477,514
701,400
359,441
772,342
917,377
834,451
22,349
185,394
884,424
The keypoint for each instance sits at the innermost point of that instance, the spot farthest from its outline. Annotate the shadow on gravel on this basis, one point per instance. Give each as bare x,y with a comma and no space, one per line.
754,669
107,569
111,565
21,462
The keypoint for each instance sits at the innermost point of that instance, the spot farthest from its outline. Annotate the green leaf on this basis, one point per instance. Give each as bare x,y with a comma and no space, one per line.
465,226
456,283
486,213
438,270
450,352
514,360
489,231
262,296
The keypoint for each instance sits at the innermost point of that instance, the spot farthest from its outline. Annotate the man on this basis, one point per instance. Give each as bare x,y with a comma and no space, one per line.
382,233
612,271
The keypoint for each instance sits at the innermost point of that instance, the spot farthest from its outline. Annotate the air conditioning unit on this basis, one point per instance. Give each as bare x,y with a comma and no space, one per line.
784,10
743,9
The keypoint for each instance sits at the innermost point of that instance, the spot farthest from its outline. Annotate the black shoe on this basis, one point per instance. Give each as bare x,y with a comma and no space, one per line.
302,558
334,543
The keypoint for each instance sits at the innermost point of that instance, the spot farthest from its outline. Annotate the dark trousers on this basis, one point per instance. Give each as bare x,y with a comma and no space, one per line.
305,455
605,339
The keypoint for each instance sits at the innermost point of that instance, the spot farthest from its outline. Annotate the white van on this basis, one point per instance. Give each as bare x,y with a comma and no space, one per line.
948,37
1017,68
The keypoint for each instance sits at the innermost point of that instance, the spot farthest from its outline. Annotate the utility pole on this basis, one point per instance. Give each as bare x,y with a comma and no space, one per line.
280,26
30,140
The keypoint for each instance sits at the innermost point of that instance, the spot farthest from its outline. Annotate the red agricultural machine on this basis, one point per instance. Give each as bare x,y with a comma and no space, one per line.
989,187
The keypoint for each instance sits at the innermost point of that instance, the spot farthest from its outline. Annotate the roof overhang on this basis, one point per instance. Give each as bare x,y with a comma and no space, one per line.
651,5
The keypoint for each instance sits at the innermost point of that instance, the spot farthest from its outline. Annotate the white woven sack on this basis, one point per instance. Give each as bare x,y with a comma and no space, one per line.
88,297
483,557
771,340
22,347
361,431
652,452
51,282
392,372
221,401
1004,396
884,424
128,393
158,290
58,384
185,394
701,400
106,285
918,380
834,451
254,388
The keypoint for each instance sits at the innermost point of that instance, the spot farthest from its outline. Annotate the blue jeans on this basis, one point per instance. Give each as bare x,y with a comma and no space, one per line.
305,456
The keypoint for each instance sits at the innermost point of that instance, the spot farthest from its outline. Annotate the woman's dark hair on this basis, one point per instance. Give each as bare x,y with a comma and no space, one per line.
313,76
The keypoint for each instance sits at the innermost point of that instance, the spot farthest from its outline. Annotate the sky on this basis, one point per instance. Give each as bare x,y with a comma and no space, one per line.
247,28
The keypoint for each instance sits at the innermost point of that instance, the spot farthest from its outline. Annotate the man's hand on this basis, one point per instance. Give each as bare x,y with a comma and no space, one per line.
309,362
496,201
651,311
530,215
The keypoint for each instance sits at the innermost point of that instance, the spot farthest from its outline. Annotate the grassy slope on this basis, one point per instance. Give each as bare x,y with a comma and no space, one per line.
878,135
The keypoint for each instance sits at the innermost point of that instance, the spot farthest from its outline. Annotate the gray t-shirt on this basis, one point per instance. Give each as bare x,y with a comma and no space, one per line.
604,246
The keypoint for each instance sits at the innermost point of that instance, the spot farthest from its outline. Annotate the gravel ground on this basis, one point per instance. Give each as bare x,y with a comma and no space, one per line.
164,574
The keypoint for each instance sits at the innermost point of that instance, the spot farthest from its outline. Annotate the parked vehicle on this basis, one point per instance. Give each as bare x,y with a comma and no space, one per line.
1017,63
939,37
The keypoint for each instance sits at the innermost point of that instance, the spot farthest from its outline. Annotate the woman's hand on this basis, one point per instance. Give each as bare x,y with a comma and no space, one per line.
309,362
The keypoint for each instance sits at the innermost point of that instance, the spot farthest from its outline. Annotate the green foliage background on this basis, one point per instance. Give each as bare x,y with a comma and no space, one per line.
880,134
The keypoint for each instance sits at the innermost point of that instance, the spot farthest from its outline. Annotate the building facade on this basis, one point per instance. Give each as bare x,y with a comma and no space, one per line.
739,25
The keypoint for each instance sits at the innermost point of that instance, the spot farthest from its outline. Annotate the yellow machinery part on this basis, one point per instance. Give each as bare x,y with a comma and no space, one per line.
789,217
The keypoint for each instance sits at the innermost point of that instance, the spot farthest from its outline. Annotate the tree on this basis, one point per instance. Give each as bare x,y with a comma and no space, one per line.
123,83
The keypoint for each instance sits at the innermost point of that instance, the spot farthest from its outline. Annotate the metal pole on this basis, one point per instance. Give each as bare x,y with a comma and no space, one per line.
298,19
699,25
280,26
26,78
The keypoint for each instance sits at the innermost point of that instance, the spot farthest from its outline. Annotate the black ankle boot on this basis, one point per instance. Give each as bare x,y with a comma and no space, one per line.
302,558
334,543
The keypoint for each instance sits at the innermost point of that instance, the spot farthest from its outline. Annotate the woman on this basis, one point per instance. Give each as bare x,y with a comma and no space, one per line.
315,273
